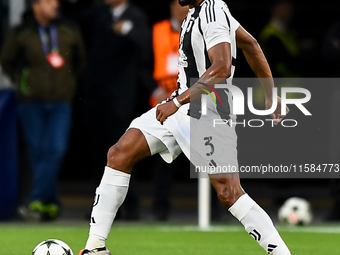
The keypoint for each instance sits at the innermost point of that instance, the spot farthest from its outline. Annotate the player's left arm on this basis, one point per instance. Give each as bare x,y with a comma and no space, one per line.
258,63
220,69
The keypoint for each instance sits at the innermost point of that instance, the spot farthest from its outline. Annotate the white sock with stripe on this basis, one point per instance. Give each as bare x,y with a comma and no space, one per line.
109,197
259,225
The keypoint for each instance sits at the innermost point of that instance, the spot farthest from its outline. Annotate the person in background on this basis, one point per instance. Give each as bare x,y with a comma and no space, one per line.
120,59
165,45
44,56
279,43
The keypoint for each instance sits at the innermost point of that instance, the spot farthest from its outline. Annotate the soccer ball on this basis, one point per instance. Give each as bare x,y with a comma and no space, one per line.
52,247
295,211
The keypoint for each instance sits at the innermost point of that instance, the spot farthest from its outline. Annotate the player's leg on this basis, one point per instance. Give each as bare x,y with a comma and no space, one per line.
255,220
131,148
228,188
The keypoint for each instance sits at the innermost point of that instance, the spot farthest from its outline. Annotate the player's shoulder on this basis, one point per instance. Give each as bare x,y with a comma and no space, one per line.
219,4
214,4
212,8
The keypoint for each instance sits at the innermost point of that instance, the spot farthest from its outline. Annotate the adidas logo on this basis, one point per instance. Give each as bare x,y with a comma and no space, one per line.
212,163
271,248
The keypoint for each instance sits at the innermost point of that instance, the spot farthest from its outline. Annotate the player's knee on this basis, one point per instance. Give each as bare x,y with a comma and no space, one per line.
228,196
112,154
115,157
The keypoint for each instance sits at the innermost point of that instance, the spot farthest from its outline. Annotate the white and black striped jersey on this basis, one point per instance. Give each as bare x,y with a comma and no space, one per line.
205,26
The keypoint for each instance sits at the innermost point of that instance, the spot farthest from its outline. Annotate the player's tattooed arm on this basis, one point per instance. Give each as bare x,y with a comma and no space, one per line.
220,69
218,72
258,63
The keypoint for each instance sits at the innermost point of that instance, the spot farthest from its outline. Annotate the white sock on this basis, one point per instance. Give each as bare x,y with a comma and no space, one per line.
109,197
258,224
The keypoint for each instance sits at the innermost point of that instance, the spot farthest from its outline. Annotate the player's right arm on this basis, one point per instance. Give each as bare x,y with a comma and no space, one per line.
258,63
215,29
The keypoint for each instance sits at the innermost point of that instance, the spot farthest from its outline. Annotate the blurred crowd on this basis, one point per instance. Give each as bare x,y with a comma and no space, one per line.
82,70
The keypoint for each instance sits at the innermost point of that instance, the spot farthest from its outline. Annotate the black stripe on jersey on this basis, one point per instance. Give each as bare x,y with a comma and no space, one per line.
210,11
226,16
207,60
191,71
213,11
206,13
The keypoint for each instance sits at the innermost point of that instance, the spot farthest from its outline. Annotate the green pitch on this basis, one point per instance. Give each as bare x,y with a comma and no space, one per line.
137,239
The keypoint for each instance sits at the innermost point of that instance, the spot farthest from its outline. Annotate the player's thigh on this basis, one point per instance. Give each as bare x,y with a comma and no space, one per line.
228,187
131,148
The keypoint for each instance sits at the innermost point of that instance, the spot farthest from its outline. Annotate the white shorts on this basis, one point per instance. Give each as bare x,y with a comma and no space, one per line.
180,131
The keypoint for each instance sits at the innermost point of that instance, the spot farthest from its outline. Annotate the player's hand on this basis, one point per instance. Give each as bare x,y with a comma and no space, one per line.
165,110
276,115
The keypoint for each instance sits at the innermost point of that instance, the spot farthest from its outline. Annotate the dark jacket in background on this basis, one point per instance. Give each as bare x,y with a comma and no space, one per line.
119,74
24,60
117,64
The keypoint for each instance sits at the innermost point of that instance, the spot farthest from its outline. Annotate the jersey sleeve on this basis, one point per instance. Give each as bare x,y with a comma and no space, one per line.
234,23
216,24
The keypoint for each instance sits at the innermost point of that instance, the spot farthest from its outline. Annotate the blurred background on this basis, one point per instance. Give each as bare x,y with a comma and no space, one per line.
300,40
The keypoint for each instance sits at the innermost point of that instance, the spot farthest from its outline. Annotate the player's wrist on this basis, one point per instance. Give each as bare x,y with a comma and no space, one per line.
175,101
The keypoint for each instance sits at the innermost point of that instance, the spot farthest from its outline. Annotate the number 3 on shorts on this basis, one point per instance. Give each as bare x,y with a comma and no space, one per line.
208,143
